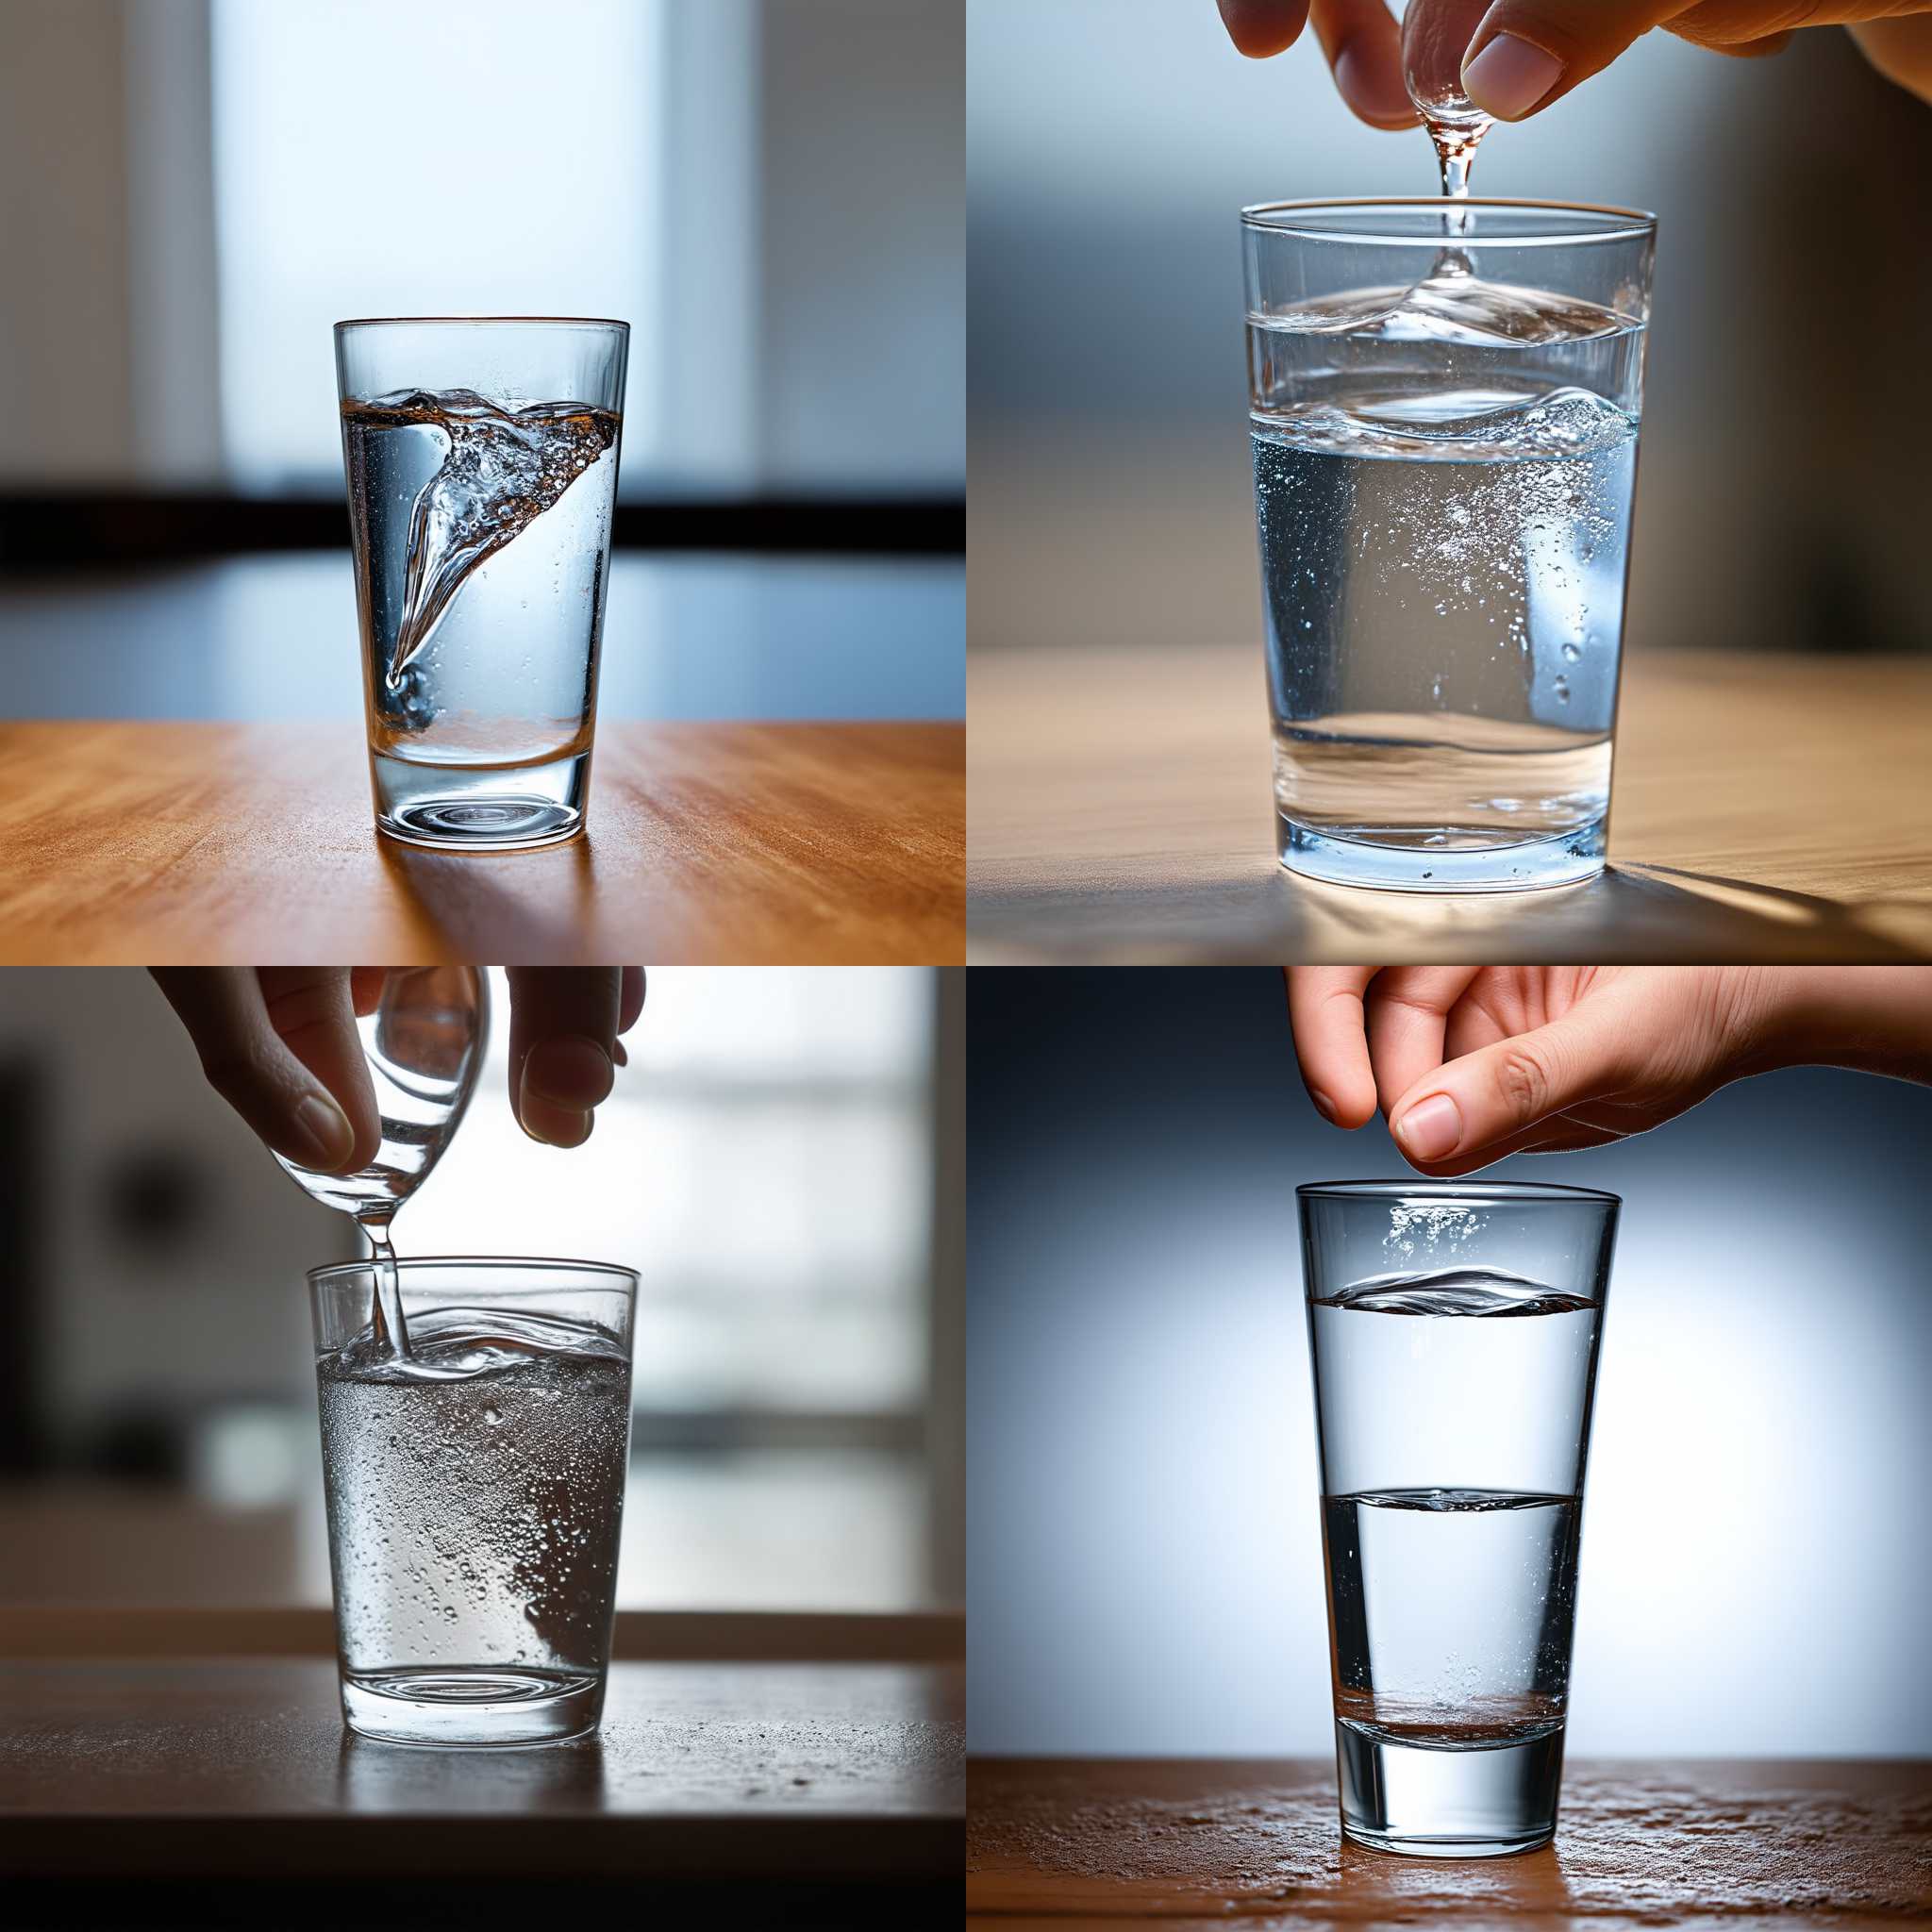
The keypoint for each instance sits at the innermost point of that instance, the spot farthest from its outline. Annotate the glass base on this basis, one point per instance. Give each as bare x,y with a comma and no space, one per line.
1481,1803
472,808
1566,859
472,1706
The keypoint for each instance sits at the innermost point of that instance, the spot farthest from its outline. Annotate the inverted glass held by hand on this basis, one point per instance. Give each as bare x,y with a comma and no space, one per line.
425,1043
1434,36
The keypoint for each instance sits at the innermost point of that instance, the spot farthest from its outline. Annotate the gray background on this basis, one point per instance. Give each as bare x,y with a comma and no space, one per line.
1143,1543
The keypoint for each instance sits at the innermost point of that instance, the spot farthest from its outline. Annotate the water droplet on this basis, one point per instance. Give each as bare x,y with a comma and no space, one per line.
1571,652
1563,689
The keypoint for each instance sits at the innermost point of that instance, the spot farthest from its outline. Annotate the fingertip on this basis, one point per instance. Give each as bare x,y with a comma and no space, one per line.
1512,77
573,1072
1372,85
1430,1130
1262,29
554,1126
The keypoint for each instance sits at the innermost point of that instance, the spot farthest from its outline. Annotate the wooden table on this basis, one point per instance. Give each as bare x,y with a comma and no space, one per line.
234,844
771,1779
1189,1844
1764,810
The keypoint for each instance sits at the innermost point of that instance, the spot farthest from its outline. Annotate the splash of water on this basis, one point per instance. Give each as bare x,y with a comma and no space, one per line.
505,467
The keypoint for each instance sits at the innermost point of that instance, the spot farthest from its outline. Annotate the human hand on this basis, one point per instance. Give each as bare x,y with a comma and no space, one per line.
1360,38
1524,55
279,1044
1470,1063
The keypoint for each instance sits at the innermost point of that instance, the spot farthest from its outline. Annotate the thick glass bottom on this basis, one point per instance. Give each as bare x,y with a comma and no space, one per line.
472,1706
1401,861
473,808
1474,1802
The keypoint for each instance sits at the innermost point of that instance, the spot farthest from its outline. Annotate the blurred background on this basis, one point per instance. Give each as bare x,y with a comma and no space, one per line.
193,191
1110,145
782,1163
1145,1573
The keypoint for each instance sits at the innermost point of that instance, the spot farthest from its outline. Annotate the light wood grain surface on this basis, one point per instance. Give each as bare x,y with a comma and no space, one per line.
1764,810
241,1767
730,844
1189,1844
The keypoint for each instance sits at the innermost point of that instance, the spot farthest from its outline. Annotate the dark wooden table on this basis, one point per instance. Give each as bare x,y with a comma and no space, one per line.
182,843
1061,1844
793,1773
1764,810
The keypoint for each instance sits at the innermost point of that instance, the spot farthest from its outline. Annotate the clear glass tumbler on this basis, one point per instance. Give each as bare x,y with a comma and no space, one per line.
1445,399
475,1490
481,457
1454,1331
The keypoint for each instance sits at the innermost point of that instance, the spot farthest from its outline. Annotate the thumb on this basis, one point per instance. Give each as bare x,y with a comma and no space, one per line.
1528,52
1488,1099
306,1095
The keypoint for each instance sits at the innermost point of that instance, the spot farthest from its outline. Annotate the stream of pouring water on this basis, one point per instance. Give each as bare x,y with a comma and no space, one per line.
392,1332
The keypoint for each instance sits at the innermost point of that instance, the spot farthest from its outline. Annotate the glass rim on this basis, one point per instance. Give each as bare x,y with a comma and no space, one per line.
482,322
1615,223
1550,1193
622,1278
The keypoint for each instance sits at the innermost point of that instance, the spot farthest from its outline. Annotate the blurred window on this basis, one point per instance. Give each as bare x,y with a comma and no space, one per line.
374,158
767,1162
766,1165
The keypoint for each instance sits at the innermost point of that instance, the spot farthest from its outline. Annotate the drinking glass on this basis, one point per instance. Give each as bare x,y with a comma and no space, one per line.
1445,399
1454,1329
481,457
474,1490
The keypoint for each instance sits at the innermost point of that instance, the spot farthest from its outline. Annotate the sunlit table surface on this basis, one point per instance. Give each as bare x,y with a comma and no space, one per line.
778,777
1185,1845
1764,809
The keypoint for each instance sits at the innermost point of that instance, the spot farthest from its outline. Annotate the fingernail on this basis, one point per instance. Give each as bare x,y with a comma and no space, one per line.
1370,88
1431,1130
1510,76
1324,1106
323,1134
573,1072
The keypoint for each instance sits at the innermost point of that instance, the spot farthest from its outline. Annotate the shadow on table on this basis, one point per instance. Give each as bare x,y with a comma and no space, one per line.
385,1779
523,909
1256,914
1527,1889
1642,913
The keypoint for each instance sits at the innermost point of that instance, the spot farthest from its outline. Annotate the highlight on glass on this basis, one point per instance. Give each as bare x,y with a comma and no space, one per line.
474,1476
1455,1330
481,457
1446,397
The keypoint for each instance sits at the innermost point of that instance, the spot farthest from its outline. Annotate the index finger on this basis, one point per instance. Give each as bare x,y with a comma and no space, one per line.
1263,27
1331,1038
563,1027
